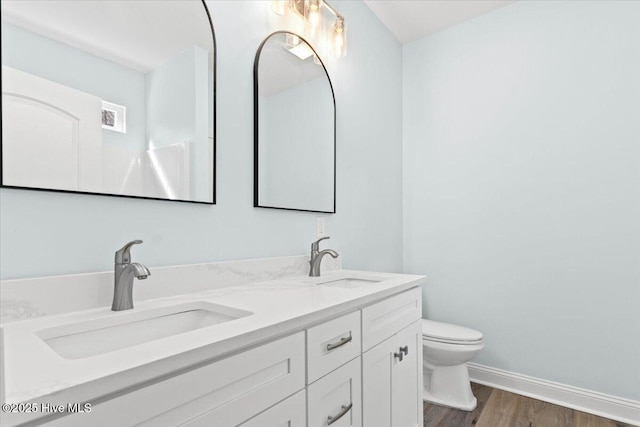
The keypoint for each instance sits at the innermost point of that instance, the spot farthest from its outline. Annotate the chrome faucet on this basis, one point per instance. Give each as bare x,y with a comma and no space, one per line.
316,257
124,272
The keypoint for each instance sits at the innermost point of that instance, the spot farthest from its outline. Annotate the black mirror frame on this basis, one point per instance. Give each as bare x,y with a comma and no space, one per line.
256,202
213,202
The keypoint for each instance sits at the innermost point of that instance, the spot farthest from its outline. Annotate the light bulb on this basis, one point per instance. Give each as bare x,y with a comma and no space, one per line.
314,5
314,18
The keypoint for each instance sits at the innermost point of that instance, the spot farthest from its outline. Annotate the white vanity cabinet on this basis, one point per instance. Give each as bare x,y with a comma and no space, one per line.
223,393
383,386
361,369
392,369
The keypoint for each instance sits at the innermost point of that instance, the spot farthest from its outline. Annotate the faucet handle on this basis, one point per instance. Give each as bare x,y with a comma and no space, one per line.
315,245
123,255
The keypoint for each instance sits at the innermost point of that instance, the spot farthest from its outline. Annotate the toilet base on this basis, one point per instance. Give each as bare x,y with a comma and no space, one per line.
448,386
426,396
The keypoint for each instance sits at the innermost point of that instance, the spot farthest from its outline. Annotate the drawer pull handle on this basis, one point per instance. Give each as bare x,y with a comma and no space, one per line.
345,409
404,350
340,343
398,356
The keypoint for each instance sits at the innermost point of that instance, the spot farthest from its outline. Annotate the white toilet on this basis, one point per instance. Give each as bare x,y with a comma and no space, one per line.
446,350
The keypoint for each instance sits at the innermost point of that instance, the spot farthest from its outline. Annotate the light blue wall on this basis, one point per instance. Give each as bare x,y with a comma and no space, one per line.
77,69
47,233
522,187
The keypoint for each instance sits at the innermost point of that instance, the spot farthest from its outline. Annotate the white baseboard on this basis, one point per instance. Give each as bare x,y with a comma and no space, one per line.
615,408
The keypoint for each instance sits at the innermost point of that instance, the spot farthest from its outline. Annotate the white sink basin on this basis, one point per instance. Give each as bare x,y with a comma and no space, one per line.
351,282
121,330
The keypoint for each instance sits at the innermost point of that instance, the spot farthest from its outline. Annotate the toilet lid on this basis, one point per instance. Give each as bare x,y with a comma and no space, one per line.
446,332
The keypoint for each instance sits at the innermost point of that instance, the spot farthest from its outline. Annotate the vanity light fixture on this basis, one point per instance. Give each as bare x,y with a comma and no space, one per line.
310,11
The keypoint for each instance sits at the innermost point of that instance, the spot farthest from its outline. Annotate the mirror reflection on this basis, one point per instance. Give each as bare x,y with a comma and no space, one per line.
109,97
295,127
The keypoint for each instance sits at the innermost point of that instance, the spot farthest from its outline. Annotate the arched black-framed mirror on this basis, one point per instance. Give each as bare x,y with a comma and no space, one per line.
109,98
294,127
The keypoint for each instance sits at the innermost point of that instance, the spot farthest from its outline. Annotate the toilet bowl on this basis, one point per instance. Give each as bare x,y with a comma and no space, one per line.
446,350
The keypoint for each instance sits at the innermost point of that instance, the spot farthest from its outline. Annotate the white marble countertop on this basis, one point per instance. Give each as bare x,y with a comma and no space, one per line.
33,372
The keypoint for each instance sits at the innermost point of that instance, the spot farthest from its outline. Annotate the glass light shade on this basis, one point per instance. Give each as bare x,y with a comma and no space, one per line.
338,43
279,6
312,17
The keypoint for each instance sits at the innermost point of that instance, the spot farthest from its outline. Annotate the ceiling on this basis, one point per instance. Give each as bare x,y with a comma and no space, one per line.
138,34
410,20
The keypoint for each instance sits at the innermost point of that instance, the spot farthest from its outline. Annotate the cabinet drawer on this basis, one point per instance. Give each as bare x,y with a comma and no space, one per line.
382,320
223,393
336,399
290,413
332,344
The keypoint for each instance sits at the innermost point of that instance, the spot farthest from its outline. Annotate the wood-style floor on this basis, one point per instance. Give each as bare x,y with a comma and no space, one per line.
498,408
